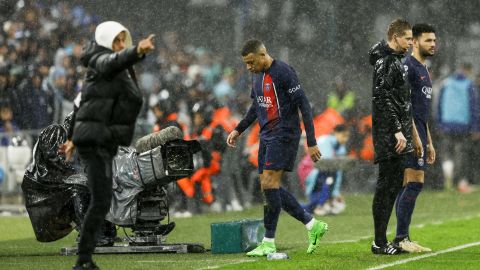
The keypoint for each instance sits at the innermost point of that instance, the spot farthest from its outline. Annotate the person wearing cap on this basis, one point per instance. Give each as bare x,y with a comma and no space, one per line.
109,105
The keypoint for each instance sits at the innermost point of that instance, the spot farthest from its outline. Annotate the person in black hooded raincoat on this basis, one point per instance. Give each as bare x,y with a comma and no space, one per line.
110,103
392,126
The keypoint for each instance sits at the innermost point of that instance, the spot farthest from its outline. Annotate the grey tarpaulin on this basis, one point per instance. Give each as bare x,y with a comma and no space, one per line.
53,189
56,194
134,172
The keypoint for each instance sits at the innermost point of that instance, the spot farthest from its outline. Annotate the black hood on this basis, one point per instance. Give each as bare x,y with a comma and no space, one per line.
89,50
380,50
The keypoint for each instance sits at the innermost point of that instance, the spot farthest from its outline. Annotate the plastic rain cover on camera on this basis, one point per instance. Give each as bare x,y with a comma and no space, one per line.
50,186
132,172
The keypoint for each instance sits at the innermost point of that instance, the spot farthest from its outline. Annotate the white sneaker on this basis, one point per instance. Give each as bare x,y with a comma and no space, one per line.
464,187
420,248
409,246
322,210
187,214
216,207
236,206
338,206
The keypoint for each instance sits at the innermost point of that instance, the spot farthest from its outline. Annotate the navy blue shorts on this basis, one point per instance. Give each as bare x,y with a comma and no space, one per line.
277,154
414,162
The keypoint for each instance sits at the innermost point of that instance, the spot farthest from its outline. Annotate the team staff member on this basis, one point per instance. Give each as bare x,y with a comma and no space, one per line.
392,126
277,97
109,106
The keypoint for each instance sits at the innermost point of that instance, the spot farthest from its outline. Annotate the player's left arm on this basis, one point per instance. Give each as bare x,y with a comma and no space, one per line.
298,97
431,155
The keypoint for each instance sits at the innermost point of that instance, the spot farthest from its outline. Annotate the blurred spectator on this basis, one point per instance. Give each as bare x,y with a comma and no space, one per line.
323,186
165,112
224,90
7,124
34,103
341,99
212,139
456,120
54,87
366,152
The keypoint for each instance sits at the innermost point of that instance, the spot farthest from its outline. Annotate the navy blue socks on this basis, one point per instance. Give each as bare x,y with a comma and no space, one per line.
405,207
292,207
271,211
275,200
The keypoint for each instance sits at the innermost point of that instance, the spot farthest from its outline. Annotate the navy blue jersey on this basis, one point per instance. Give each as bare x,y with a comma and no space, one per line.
277,96
421,86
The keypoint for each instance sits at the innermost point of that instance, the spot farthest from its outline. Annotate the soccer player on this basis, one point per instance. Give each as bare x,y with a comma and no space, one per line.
419,78
392,126
277,96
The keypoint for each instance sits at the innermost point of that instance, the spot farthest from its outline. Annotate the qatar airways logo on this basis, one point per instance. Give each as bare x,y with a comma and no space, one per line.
427,91
294,89
265,102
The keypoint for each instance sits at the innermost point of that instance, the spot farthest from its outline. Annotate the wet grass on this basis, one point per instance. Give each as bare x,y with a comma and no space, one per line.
442,220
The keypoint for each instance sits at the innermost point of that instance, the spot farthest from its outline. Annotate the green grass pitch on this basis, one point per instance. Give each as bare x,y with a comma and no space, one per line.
442,220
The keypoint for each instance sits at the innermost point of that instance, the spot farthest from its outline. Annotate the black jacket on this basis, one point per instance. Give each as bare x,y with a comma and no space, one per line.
391,108
111,99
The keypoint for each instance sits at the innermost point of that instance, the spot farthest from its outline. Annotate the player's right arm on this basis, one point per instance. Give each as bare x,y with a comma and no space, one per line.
249,118
111,63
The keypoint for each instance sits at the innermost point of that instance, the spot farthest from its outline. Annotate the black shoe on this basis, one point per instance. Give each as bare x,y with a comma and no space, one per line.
105,242
387,249
86,266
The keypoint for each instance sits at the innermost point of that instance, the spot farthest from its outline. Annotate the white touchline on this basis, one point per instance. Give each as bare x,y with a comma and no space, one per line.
452,249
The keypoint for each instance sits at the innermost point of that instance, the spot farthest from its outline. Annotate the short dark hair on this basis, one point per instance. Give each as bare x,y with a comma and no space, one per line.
251,46
340,128
420,28
398,26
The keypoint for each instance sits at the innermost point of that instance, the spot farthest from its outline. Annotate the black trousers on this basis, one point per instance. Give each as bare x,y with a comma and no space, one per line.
98,166
389,183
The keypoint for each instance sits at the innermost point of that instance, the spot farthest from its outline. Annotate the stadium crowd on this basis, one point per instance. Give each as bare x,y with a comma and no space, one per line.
191,87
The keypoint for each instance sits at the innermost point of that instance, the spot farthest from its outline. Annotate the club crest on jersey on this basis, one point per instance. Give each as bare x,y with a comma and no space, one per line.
427,91
420,162
267,87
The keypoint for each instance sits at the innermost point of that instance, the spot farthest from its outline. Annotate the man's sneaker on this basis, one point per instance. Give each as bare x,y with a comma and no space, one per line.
411,246
419,248
338,205
422,249
322,210
408,246
264,249
315,234
387,249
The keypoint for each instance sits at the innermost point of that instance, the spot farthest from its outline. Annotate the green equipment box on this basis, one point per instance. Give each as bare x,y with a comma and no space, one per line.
236,236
